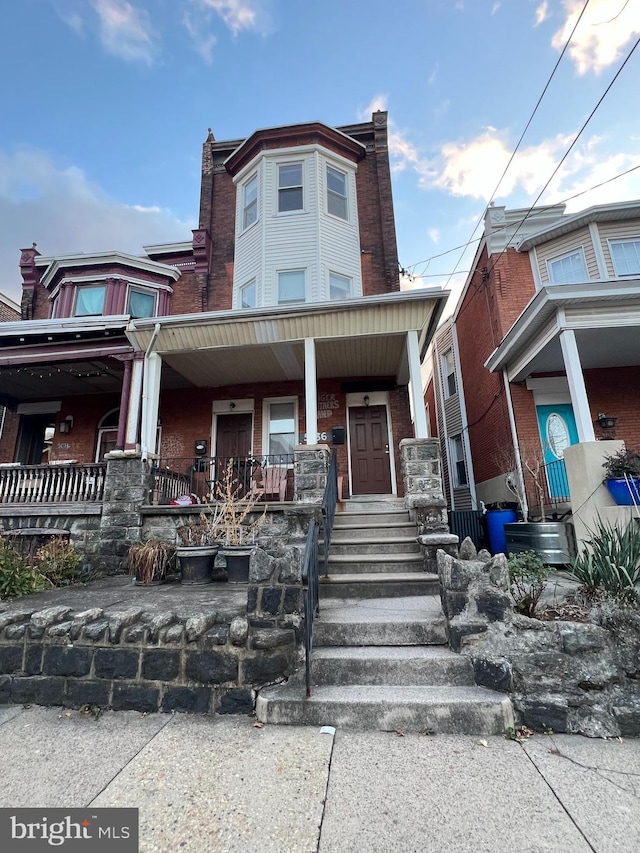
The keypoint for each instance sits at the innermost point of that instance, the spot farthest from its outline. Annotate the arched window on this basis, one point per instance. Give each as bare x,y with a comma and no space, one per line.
107,434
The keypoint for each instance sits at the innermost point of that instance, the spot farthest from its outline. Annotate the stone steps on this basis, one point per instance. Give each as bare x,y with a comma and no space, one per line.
369,563
373,532
378,584
416,708
362,547
412,620
371,519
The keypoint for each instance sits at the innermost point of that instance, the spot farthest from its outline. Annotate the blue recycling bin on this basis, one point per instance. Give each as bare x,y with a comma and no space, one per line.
496,520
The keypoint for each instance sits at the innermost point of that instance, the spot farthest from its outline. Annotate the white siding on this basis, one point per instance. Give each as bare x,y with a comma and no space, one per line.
616,231
580,239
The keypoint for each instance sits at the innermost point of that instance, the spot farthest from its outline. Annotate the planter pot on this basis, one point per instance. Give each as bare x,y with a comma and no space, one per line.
154,582
237,558
196,563
550,539
625,492
496,520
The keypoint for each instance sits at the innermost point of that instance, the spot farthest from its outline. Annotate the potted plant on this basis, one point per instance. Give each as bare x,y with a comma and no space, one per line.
148,561
197,546
236,529
622,476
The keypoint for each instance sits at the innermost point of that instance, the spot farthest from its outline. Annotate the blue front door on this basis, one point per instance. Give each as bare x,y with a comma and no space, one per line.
557,426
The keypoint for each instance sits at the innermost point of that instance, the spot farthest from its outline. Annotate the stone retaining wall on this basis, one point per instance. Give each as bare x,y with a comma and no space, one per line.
564,676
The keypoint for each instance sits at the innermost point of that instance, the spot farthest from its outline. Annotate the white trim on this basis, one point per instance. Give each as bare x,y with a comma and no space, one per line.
535,269
622,276
416,396
516,443
62,262
549,390
295,152
471,480
575,378
39,408
169,248
376,398
310,391
541,340
138,381
597,250
102,430
597,213
138,282
577,250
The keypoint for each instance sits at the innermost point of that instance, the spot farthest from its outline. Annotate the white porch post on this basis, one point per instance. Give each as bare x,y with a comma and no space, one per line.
577,389
310,390
150,403
135,399
415,384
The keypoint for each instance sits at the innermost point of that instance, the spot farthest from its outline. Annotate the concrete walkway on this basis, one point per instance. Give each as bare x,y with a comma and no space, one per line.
206,784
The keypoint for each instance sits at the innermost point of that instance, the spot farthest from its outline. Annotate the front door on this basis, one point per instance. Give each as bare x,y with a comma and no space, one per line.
34,439
557,426
369,439
233,441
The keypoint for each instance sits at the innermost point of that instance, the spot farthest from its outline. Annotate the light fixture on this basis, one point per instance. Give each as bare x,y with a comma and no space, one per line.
606,421
232,405
366,399
67,424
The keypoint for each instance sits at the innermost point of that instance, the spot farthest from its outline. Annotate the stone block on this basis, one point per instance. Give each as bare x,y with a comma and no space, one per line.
174,633
453,603
160,665
135,634
194,700
49,616
459,629
135,697
96,630
494,674
217,636
494,605
64,660
62,629
578,638
10,659
544,713
196,626
81,693
252,599
33,660
15,632
264,669
116,663
271,598
239,630
271,639
236,701
5,689
14,616
261,567
292,602
627,714
211,667
37,690
290,566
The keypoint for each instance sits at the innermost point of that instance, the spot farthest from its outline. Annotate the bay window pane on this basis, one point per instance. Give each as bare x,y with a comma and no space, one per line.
141,304
291,287
89,301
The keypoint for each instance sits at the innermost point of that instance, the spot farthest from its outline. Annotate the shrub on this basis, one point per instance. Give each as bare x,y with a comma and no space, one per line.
58,561
17,577
624,463
528,575
610,562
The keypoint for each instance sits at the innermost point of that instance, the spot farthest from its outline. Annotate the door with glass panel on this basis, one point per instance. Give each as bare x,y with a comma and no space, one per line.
557,426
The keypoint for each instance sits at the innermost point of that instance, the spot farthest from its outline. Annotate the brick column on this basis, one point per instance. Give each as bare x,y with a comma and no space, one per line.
128,481
310,472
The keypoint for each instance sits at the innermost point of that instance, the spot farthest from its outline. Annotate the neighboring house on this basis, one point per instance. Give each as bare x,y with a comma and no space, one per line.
9,311
546,337
281,322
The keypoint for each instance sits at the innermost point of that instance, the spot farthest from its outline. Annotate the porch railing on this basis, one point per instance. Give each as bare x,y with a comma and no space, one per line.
266,476
39,484
310,569
552,488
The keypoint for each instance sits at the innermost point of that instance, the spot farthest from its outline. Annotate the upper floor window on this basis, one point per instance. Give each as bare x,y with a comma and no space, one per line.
568,269
250,202
141,303
89,300
289,187
291,287
248,295
626,257
340,287
448,373
336,192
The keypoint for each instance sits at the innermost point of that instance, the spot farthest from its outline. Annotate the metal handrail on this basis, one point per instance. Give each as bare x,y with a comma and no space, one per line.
310,568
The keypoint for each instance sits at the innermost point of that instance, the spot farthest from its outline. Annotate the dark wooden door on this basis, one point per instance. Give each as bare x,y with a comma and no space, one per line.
234,435
369,437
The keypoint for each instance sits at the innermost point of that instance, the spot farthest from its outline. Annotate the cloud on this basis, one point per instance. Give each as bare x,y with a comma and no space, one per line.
124,30
434,235
542,12
434,74
237,16
606,28
203,44
64,212
495,8
378,102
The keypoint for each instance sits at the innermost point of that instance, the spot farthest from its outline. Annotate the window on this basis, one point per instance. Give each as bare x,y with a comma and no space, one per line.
89,301
282,427
336,192
289,187
570,269
626,257
339,286
248,295
141,304
457,461
449,374
250,202
291,287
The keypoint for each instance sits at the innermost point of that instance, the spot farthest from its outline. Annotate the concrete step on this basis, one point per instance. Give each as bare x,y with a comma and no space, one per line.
379,585
368,563
388,545
373,532
443,710
372,503
391,621
400,665
372,519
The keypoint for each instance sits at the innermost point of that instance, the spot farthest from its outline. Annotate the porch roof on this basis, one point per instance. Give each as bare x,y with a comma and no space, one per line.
358,337
592,310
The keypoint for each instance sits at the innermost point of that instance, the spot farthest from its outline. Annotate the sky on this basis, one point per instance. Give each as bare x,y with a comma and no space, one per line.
104,106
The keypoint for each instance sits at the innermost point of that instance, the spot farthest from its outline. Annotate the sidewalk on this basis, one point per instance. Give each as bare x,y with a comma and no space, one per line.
221,784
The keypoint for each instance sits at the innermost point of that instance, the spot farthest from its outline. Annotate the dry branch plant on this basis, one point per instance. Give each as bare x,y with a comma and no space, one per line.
235,526
148,561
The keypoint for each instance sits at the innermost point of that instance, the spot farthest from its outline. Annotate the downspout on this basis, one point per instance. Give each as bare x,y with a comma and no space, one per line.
516,446
156,331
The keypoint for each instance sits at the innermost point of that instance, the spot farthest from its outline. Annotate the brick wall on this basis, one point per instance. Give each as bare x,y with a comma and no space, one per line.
615,392
430,401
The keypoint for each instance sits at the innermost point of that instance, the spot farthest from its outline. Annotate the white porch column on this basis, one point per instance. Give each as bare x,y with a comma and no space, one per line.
310,390
577,389
415,385
135,399
150,403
